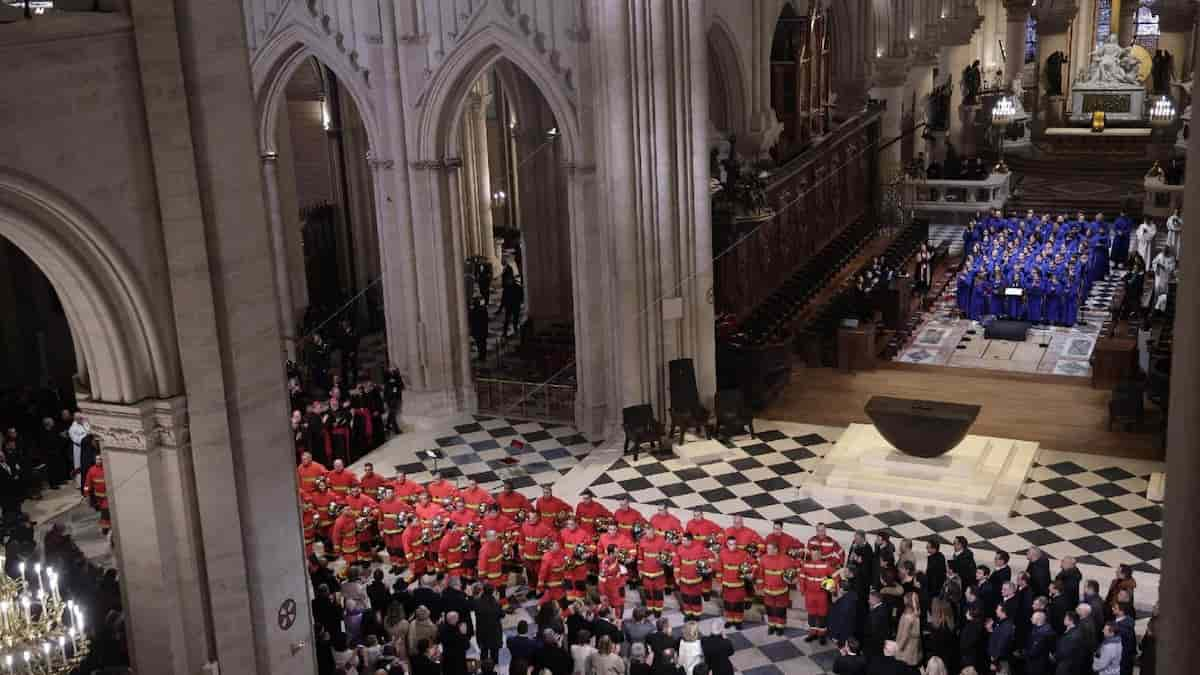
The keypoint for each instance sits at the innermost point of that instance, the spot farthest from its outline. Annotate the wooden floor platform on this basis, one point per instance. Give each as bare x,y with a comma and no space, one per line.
1059,413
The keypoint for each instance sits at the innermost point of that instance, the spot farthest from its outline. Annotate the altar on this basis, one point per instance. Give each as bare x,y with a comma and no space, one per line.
1112,83
1119,142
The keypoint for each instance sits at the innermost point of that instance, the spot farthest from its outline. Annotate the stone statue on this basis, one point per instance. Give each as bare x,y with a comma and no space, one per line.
939,107
1160,74
971,80
1112,67
1054,69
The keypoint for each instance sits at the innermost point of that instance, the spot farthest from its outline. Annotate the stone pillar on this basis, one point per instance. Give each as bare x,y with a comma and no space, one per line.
481,190
1083,41
1053,24
545,225
156,532
1181,546
651,122
1016,18
953,59
279,257
1124,13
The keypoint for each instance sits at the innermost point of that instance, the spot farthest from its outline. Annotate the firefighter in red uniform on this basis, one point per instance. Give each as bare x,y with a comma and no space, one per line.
630,521
590,514
653,550
95,488
442,491
416,540
826,547
668,527
747,539
467,521
406,489
340,479
428,511
509,534
551,508
775,577
692,558
308,519
356,502
452,551
536,534
491,566
326,504
737,568
550,575
708,533
476,498
613,579
345,537
391,517
784,542
513,504
308,471
816,599
626,547
371,481
580,549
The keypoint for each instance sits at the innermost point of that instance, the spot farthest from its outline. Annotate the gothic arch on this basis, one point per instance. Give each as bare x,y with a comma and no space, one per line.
725,59
272,68
444,98
122,355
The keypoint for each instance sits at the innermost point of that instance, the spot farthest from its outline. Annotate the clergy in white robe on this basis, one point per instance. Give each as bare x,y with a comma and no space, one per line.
1144,240
1175,233
78,431
1163,269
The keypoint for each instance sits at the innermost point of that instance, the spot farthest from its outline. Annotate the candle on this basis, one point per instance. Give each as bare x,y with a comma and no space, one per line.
62,648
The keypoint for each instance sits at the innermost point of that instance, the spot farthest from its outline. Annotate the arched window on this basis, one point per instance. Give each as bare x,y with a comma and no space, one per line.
1031,40
1103,22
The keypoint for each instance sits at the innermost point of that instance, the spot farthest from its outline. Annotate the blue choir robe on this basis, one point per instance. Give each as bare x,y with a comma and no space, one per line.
1121,230
979,298
1034,292
962,291
1013,303
1070,302
996,298
970,236
1099,259
1052,307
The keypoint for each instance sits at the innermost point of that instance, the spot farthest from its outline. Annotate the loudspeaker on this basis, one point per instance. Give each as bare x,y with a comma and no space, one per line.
685,395
1004,329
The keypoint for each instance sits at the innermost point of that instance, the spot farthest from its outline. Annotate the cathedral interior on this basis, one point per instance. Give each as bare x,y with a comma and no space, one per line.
295,293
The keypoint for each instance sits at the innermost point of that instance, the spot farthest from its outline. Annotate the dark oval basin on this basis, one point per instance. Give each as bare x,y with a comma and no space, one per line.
921,428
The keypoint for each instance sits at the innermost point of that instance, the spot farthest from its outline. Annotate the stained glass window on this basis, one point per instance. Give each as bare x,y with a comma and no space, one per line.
1031,40
1146,26
1104,24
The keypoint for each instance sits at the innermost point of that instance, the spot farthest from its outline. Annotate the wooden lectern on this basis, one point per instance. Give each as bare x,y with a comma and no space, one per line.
856,347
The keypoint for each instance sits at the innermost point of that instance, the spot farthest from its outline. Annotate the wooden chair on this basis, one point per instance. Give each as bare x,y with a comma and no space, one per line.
733,417
686,410
641,428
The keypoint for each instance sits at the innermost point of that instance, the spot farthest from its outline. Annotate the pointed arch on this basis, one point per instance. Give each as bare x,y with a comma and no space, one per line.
272,68
441,104
123,354
726,61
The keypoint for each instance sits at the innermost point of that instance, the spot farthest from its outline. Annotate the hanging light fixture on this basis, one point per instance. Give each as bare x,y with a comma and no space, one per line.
40,633
1003,113
1162,112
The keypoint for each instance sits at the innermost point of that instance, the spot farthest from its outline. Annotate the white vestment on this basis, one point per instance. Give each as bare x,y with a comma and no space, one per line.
1175,234
1145,235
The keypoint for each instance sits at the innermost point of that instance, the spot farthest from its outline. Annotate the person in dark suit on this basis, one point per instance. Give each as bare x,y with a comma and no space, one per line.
717,650
1038,571
1071,578
1124,622
326,611
521,646
1001,641
661,640
489,633
849,661
1060,604
1069,652
378,592
455,638
972,642
1002,574
1039,646
553,656
455,600
879,626
422,662
429,597
935,569
963,562
843,616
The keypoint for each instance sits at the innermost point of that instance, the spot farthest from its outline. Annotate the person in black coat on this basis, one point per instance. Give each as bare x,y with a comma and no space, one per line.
512,296
1059,606
1070,653
717,650
603,625
393,395
431,599
455,600
553,656
942,639
326,611
422,662
843,616
1125,629
849,661
879,626
521,646
963,562
489,633
935,569
378,592
455,638
661,639
972,643
1002,639
477,321
1038,571
1039,646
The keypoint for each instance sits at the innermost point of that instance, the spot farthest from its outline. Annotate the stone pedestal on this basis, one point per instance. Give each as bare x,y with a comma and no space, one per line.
1125,103
979,480
1056,111
967,146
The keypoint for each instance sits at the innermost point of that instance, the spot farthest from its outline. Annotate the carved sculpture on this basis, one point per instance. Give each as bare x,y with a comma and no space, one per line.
972,78
1112,67
1054,70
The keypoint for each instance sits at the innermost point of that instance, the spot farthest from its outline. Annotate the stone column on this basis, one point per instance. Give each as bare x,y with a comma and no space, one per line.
545,224
1124,13
1016,18
1053,24
283,279
156,532
651,120
891,76
1181,546
481,191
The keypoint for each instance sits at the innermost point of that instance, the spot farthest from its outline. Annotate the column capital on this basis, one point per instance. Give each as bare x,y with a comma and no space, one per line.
1055,18
144,426
891,71
1017,10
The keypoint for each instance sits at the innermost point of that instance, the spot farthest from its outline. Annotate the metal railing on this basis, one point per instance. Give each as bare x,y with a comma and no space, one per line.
526,400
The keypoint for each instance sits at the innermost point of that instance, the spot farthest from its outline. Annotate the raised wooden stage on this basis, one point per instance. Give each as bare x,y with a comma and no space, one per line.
1058,412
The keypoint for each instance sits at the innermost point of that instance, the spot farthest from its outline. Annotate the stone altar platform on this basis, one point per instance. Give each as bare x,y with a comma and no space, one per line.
977,481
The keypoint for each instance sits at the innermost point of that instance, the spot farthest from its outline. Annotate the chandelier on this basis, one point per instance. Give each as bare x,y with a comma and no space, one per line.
1162,113
40,634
